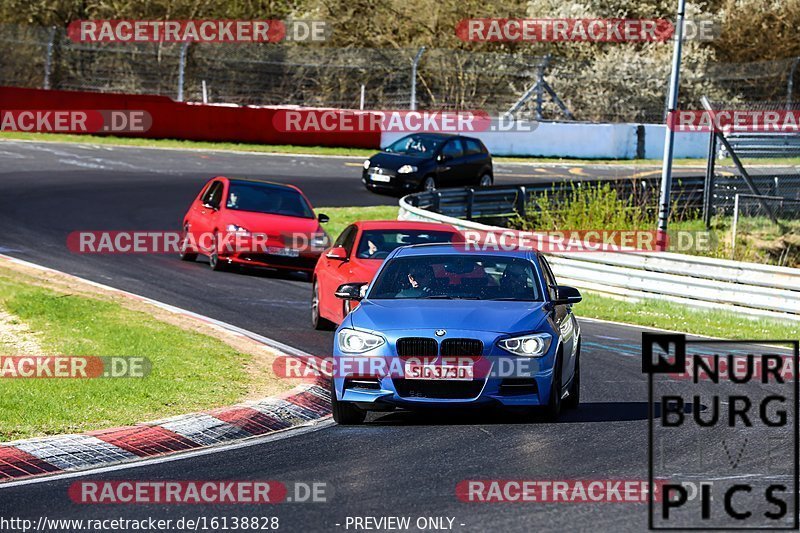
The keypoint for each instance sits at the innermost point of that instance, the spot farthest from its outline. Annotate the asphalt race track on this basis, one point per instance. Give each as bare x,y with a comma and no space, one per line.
400,463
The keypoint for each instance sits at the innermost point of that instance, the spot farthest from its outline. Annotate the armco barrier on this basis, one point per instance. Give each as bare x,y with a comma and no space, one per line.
476,202
186,121
750,288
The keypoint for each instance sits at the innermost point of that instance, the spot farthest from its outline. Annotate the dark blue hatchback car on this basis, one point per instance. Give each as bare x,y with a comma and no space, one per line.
455,328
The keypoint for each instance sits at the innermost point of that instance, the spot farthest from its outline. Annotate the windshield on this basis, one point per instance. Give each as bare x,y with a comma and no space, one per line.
377,244
473,277
267,198
415,145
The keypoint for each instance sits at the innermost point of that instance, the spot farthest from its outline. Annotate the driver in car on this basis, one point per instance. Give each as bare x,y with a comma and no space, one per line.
420,280
514,282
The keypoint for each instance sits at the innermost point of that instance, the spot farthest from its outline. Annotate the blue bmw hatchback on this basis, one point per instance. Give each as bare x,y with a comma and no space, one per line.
455,328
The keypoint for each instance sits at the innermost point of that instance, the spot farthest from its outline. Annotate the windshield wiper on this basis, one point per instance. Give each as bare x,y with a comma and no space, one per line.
510,299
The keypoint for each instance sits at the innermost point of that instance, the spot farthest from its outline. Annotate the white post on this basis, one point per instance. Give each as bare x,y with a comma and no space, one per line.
48,61
181,69
735,223
413,103
205,91
666,169
361,104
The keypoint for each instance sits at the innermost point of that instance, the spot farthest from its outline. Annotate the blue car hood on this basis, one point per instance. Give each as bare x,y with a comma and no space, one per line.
494,316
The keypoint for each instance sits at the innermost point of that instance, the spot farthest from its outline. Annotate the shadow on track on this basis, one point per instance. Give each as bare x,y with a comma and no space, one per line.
587,412
258,272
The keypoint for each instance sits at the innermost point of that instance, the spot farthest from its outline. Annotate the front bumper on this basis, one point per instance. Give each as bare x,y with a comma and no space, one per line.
497,384
396,183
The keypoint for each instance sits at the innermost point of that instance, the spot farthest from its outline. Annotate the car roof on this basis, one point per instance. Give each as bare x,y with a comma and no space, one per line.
459,249
403,224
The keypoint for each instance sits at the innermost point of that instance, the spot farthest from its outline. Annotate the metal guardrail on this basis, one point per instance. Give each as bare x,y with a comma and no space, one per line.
764,145
749,288
497,201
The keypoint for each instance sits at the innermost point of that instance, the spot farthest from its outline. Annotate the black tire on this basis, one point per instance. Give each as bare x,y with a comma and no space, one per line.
183,253
486,181
553,409
214,261
428,184
317,321
345,414
574,399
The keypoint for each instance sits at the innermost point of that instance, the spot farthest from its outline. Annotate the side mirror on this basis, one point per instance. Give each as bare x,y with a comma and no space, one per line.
337,253
351,291
323,218
568,295
441,158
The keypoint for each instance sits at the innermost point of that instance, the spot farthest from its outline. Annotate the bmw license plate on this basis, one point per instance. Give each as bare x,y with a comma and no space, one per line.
380,177
443,372
283,252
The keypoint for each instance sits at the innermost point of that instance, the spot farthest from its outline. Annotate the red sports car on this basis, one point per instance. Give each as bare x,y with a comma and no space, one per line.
356,256
253,223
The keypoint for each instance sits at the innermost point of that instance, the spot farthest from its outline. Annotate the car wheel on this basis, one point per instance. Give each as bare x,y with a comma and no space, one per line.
486,181
317,321
553,409
345,414
214,261
184,253
574,398
429,184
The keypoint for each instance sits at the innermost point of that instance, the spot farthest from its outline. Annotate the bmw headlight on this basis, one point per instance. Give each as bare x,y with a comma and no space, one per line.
352,341
407,169
534,345
367,164
238,230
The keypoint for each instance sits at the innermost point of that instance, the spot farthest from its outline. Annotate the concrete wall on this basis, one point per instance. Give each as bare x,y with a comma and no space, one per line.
583,140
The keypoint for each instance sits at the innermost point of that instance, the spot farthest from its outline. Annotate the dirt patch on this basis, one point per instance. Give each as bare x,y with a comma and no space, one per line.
16,338
264,381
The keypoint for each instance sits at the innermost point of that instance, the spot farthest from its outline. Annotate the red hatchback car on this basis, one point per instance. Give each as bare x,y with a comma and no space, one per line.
254,223
356,256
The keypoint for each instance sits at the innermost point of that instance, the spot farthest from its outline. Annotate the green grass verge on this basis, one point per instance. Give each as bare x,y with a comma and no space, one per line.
190,371
341,217
325,150
676,317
